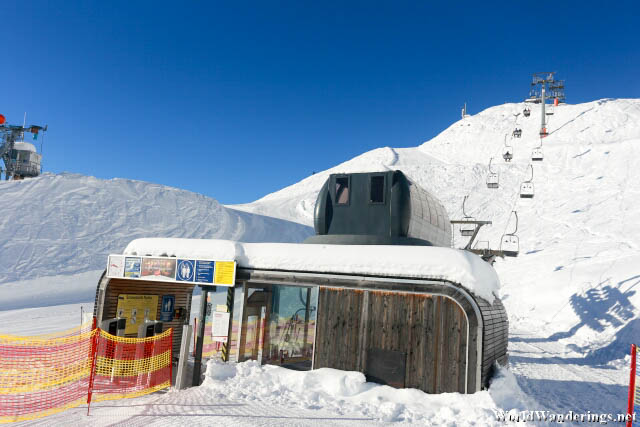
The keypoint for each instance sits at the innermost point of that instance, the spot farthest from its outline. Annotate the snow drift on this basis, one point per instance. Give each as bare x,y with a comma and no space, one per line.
67,224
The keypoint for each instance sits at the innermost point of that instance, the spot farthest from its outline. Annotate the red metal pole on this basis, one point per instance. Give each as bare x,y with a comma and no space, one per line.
632,385
94,350
171,358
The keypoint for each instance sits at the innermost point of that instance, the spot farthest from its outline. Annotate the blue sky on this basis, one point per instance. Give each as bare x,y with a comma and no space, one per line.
239,99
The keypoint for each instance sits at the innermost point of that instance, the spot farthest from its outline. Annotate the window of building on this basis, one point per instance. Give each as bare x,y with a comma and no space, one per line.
342,190
376,194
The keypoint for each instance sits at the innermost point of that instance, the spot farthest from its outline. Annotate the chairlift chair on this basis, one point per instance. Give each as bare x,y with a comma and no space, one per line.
510,243
492,177
507,153
467,230
526,112
537,155
526,188
517,133
549,111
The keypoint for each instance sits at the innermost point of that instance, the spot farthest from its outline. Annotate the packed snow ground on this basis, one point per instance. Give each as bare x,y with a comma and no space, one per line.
248,394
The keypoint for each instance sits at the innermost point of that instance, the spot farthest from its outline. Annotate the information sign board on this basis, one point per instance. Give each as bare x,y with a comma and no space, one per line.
132,267
167,308
170,269
220,326
186,270
204,271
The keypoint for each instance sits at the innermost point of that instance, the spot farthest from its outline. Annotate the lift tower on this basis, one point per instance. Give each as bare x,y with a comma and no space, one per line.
544,86
21,160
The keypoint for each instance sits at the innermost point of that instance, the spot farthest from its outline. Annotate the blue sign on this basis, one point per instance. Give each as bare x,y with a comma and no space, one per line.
204,271
186,270
167,308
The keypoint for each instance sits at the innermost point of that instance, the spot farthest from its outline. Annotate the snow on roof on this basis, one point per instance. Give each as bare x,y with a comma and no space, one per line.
26,146
423,262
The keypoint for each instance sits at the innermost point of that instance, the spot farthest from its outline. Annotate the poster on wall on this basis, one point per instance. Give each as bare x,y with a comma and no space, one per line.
170,269
186,270
116,266
225,273
136,308
167,308
159,268
220,326
131,267
204,271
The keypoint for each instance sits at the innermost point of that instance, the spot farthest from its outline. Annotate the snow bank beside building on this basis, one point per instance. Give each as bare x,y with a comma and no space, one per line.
425,262
64,224
348,393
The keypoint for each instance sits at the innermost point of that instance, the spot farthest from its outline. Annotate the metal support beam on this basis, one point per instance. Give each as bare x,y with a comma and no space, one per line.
197,364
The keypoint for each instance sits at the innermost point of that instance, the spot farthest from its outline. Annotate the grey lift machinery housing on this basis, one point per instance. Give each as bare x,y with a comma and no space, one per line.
378,208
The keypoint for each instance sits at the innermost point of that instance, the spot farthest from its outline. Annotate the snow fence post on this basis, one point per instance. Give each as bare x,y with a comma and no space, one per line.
632,385
94,351
170,357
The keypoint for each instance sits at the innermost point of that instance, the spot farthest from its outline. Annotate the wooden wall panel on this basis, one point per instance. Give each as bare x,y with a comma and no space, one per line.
430,330
338,329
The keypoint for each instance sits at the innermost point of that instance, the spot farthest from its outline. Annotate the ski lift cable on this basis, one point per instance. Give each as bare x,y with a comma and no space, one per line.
516,199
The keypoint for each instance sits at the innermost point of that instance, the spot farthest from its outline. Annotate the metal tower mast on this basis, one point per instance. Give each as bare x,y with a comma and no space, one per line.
19,162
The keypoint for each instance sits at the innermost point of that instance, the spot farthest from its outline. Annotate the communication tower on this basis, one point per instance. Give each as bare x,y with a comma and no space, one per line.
21,159
463,113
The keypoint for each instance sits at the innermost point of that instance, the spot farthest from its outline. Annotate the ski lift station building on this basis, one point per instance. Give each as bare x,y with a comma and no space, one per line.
385,295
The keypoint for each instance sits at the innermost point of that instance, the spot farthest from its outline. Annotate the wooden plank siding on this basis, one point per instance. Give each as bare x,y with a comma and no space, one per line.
182,293
430,330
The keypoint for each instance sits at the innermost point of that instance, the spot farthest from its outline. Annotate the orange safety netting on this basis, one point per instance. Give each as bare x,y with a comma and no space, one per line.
130,367
46,374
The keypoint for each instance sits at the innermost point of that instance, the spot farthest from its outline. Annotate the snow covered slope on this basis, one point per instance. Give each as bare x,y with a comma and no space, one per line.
576,279
66,224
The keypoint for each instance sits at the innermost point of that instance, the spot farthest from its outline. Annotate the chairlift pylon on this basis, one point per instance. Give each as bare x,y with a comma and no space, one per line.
492,177
510,243
466,229
526,188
